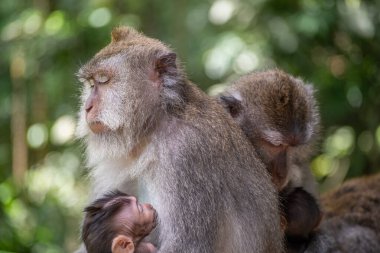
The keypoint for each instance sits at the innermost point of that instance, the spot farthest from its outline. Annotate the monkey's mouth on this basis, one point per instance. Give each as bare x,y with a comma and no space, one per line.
155,218
97,127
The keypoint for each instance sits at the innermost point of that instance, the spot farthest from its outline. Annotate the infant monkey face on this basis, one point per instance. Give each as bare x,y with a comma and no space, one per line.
142,217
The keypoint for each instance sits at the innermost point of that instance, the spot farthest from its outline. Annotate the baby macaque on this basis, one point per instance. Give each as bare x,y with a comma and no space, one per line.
116,223
302,213
278,114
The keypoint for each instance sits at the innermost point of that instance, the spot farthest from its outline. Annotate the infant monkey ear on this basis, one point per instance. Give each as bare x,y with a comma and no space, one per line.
122,244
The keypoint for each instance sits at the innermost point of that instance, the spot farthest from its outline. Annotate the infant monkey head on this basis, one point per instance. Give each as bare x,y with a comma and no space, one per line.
116,223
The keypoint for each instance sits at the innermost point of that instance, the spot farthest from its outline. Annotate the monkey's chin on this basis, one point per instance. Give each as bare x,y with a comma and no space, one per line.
97,127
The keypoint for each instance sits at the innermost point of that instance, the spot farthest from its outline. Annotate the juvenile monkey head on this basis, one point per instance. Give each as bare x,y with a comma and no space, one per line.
278,113
126,88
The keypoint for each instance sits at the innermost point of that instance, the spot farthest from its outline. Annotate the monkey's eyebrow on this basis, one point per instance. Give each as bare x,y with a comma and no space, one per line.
82,75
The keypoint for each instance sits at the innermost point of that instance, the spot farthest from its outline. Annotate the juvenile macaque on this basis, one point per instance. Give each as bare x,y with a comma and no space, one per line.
279,115
150,132
116,223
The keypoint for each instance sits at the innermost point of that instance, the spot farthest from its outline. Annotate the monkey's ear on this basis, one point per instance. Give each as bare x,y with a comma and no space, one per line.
122,33
166,64
122,244
231,104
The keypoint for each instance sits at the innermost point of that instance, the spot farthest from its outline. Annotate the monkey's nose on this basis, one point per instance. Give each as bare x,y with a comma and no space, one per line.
88,108
133,198
149,206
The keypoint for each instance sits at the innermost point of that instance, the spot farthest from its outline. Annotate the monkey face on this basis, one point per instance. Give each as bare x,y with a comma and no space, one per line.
103,94
124,84
137,219
126,88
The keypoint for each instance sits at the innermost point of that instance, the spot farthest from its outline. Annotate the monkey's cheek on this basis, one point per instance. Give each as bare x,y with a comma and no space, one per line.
97,127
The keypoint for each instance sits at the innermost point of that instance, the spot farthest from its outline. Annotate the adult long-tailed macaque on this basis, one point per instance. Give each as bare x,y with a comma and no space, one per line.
150,132
279,115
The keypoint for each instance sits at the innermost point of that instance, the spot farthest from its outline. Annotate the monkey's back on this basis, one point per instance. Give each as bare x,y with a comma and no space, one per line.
209,152
352,218
357,200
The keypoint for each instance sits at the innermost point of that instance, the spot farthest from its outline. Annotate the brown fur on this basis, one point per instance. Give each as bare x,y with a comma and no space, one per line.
352,218
279,115
270,102
357,201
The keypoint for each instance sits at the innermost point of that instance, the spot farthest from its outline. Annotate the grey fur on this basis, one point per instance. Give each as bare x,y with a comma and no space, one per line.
178,149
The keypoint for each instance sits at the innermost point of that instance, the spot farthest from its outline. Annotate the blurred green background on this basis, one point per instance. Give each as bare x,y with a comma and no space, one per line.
43,186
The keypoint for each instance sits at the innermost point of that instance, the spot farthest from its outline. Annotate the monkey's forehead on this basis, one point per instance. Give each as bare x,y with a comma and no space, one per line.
98,62
133,46
281,91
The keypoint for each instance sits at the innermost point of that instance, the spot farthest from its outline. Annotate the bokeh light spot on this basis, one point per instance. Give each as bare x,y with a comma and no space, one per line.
354,96
337,65
358,17
18,65
353,4
341,142
245,62
54,22
5,193
365,141
378,136
63,130
322,166
218,59
11,31
32,23
221,11
286,39
18,213
37,135
99,17
308,24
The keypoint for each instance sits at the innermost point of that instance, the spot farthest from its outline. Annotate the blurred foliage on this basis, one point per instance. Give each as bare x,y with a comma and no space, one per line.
332,44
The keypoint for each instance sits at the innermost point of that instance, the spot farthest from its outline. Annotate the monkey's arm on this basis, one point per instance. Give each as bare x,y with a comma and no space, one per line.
190,218
190,204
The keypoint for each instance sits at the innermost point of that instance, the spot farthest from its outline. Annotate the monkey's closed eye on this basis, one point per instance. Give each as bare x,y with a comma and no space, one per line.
101,78
272,148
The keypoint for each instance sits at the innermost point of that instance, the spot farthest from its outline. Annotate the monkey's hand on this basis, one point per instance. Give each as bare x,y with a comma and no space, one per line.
146,247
